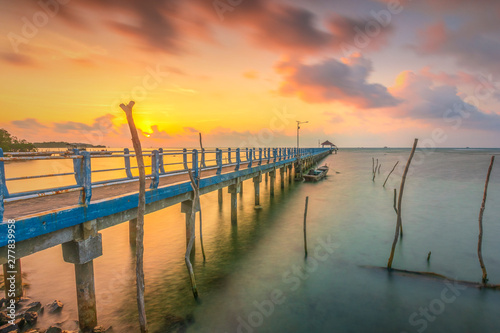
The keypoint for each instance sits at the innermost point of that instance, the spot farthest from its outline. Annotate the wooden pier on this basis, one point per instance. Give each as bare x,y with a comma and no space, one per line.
72,216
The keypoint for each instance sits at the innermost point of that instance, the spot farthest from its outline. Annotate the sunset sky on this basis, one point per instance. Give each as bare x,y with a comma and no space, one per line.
364,73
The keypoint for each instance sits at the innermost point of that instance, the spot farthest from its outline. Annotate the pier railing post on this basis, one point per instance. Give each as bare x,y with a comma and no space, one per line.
260,156
81,252
155,169
86,178
162,164
250,158
268,155
126,157
246,153
185,159
275,152
229,156
218,158
238,161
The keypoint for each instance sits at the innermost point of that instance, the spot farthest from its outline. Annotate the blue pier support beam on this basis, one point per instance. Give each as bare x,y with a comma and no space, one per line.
81,252
234,190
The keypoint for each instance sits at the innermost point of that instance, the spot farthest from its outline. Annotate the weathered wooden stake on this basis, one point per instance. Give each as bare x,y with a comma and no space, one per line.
429,256
394,167
197,198
190,207
379,168
13,273
396,210
401,189
481,212
305,228
140,217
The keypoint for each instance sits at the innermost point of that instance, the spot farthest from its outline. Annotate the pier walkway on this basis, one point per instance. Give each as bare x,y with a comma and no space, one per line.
73,215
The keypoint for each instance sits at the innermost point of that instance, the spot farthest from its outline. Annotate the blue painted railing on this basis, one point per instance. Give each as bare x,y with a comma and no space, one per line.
197,161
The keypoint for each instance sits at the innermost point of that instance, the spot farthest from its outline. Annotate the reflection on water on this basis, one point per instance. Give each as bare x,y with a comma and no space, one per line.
255,278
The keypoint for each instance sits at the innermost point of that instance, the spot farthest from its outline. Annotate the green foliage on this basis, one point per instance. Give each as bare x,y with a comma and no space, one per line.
10,143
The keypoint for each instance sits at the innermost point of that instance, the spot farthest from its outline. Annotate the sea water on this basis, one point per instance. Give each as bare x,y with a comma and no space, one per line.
257,279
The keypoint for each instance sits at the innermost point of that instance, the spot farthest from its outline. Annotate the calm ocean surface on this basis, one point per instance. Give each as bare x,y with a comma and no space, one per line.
255,278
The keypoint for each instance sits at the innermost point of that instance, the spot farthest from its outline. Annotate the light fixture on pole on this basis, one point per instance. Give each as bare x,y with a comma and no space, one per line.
298,128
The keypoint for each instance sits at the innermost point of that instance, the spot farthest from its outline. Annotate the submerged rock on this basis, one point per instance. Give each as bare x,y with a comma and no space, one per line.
53,329
4,319
34,307
9,328
101,329
55,306
31,317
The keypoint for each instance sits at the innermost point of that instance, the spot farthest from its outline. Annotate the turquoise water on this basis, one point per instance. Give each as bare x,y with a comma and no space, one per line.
256,279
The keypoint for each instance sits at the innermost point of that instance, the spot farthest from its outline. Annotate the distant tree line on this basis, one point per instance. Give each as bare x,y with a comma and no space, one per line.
64,144
11,143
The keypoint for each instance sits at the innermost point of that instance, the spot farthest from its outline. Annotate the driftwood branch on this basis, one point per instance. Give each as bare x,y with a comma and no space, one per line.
396,210
481,212
199,205
191,239
394,167
139,268
400,198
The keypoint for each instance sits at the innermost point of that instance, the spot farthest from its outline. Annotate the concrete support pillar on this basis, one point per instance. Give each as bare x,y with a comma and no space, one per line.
234,190
272,177
132,231
256,185
267,175
289,174
13,281
220,196
186,208
282,178
81,252
241,189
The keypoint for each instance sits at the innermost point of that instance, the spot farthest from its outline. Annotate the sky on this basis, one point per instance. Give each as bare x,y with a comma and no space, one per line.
362,73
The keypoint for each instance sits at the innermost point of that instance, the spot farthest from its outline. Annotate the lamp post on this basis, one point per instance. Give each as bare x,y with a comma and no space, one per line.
298,128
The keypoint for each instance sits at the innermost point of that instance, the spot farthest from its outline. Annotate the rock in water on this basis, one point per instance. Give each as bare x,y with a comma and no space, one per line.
34,307
8,328
4,319
55,306
53,329
31,317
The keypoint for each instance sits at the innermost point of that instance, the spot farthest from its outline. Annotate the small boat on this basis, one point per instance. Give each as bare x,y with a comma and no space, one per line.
316,174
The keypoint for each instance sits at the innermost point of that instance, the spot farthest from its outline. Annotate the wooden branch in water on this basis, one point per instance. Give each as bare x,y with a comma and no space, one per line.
191,238
379,168
394,167
481,212
199,204
396,210
139,269
400,198
374,170
305,230
432,275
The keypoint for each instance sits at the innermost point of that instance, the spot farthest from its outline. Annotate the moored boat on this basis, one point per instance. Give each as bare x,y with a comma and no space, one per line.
316,174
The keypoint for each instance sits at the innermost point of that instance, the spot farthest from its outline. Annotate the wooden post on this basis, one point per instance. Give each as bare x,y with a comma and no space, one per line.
282,177
234,190
398,222
256,186
305,229
12,276
272,177
219,191
82,252
132,231
85,295
140,217
481,212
